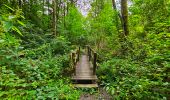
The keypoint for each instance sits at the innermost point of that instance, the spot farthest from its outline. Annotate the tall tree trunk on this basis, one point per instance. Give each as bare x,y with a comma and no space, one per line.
117,15
64,10
115,8
124,11
58,9
114,4
67,7
54,19
49,17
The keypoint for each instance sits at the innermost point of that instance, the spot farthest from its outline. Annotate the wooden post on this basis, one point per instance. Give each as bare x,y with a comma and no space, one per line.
94,63
74,62
89,53
70,60
78,55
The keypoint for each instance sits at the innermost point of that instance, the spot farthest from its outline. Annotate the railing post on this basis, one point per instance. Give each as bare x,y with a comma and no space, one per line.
94,63
74,61
78,55
89,53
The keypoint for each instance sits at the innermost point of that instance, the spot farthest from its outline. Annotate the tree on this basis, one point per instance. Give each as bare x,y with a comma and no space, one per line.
54,19
124,12
118,16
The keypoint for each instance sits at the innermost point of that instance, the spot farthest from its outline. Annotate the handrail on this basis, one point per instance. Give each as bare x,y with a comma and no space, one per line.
93,58
74,58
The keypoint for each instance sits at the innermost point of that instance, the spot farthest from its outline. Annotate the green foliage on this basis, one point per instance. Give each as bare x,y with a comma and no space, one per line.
60,45
12,87
73,27
32,65
11,21
88,90
57,90
102,26
142,71
126,80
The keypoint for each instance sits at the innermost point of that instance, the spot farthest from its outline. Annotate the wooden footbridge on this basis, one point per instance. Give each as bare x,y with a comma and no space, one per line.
84,68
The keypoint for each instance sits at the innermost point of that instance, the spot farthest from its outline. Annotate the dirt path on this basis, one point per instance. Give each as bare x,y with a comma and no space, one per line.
102,95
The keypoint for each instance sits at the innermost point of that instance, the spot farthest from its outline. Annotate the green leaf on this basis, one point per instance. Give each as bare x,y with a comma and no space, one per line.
1,40
107,88
7,25
22,17
21,23
9,7
112,91
17,30
0,18
11,39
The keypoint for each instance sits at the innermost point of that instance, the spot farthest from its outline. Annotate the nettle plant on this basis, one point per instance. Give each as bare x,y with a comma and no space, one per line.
11,21
10,25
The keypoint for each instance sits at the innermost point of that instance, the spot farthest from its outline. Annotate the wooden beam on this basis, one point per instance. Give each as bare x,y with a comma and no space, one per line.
74,62
93,77
85,85
94,63
78,54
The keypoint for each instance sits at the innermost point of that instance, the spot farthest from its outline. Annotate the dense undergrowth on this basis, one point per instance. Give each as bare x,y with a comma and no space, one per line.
34,64
141,73
137,67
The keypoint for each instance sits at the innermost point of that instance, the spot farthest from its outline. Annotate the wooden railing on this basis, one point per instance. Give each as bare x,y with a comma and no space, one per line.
74,58
93,58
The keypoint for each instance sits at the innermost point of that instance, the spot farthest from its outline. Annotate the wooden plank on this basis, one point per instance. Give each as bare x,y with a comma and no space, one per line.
85,85
84,78
83,67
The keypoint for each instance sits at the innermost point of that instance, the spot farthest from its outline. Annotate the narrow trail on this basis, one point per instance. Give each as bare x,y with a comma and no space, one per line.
101,95
85,75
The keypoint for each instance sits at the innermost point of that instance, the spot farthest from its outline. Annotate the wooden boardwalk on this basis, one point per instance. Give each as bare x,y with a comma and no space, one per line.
83,76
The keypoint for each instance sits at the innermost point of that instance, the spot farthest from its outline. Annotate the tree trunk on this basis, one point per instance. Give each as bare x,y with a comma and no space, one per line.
114,4
54,19
64,14
49,13
58,9
67,7
124,12
118,16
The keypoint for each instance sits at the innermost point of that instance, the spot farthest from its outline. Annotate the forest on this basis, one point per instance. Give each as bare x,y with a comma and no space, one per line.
131,40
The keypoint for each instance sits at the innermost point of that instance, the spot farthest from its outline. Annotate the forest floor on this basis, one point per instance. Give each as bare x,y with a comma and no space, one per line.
101,95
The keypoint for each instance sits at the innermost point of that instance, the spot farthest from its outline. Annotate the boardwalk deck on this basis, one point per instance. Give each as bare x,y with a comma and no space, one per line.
84,72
